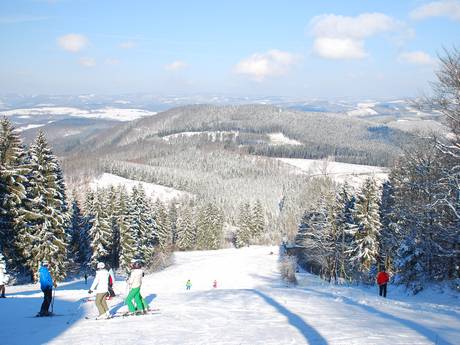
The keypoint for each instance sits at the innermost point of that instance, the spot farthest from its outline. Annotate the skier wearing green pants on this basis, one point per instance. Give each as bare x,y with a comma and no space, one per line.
134,284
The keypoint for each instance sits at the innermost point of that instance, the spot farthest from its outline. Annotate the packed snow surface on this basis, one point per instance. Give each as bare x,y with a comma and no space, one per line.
119,114
353,174
250,305
154,191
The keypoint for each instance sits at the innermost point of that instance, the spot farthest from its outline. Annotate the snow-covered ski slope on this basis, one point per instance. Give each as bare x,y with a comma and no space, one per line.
251,305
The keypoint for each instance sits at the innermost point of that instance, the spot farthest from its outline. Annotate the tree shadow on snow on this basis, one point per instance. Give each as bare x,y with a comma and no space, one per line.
19,324
309,333
420,329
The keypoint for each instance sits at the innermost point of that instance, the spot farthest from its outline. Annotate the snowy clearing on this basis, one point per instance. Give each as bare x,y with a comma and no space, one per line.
31,126
119,114
154,191
353,174
251,305
281,139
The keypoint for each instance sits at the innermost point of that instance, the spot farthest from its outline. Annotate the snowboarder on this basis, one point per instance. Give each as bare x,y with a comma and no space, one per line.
188,284
111,282
214,285
134,285
101,286
46,284
3,278
382,279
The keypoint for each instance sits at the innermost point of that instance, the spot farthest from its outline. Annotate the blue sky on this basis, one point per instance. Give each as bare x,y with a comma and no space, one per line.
289,48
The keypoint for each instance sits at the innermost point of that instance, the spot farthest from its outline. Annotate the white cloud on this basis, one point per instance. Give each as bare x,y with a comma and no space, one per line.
341,37
87,62
272,63
127,45
445,8
176,66
339,48
72,42
417,58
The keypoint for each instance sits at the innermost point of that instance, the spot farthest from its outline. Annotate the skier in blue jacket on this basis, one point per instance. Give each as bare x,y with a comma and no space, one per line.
46,284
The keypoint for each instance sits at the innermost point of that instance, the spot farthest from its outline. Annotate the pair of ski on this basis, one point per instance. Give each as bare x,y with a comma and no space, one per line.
127,314
48,315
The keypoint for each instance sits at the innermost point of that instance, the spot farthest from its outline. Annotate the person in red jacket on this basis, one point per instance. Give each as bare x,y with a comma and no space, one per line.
382,279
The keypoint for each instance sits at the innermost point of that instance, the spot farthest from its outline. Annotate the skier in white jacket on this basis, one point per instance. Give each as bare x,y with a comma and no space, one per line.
101,287
134,284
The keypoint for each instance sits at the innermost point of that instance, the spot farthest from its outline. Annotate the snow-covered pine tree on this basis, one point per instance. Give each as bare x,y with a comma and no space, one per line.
127,240
114,226
367,219
426,251
13,181
45,236
389,238
258,221
143,225
163,228
245,231
345,203
100,231
79,250
186,229
209,227
172,221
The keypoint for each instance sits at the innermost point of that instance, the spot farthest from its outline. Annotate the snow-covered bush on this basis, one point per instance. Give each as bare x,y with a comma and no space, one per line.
288,267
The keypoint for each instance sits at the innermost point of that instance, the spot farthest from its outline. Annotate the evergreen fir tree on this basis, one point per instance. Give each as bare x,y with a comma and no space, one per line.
13,181
163,230
127,240
345,203
172,221
367,220
258,221
245,230
389,239
79,250
143,225
112,208
45,236
186,230
100,231
209,227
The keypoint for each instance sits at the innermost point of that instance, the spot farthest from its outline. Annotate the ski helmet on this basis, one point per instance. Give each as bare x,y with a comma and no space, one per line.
100,265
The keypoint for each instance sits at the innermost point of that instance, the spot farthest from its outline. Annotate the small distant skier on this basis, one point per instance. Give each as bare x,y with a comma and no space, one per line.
101,287
3,278
188,285
86,278
382,280
111,282
134,285
46,284
214,284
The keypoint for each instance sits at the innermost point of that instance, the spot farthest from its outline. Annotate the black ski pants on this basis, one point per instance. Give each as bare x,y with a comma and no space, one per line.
47,297
383,290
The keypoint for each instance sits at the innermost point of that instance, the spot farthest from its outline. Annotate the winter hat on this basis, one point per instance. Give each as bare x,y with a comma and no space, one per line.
100,265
